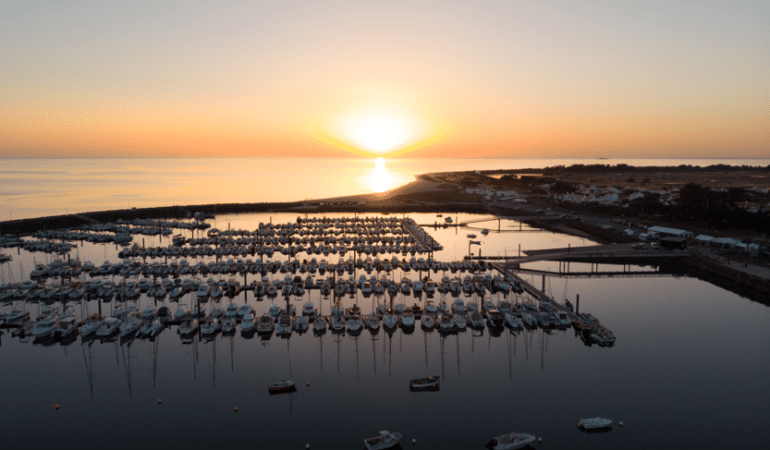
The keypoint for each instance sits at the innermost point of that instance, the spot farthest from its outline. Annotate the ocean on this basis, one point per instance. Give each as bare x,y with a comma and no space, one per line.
689,367
38,187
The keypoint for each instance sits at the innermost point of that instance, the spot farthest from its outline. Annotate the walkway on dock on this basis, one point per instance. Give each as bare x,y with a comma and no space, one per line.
533,291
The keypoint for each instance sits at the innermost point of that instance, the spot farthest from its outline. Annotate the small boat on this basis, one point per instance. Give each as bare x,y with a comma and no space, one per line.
319,324
228,325
109,327
429,383
247,326
510,441
266,324
595,423
282,386
188,327
386,439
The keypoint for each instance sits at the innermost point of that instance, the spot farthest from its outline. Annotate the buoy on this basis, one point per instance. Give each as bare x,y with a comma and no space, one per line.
56,406
307,445
620,423
159,401
414,441
540,439
307,384
236,409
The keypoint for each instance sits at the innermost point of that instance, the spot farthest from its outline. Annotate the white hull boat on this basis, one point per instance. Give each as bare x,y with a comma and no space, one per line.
386,439
510,441
595,424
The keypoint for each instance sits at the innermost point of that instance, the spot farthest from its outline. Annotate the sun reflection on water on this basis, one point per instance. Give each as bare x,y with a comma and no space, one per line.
380,179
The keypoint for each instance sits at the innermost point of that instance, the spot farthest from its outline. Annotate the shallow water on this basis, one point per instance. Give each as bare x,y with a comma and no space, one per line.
690,362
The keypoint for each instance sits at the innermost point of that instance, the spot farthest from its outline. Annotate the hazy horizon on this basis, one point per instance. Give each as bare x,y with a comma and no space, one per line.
431,79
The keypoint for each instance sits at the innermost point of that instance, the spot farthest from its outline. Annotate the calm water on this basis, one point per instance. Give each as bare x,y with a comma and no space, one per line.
31,187
689,369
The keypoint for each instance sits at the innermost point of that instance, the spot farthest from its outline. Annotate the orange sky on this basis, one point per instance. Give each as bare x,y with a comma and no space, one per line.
433,79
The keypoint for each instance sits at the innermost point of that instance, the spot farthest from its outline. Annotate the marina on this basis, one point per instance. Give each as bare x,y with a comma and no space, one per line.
367,320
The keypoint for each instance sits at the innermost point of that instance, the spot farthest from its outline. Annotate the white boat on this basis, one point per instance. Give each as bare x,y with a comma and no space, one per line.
109,327
46,327
92,323
407,318
265,324
319,324
477,321
429,383
228,325
427,321
386,439
337,323
274,311
460,321
247,326
513,321
355,323
510,441
390,320
231,311
284,325
309,310
595,423
373,322
281,386
188,327
131,325
301,323
244,310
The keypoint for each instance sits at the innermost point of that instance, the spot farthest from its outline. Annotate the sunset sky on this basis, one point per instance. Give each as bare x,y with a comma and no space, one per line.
419,78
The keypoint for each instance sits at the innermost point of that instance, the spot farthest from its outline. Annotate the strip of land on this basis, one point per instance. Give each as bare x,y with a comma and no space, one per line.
605,204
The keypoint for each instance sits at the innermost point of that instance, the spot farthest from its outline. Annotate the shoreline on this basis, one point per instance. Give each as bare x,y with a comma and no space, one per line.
421,196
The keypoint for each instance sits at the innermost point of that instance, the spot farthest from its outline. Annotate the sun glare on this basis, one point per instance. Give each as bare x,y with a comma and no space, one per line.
380,180
379,133
376,130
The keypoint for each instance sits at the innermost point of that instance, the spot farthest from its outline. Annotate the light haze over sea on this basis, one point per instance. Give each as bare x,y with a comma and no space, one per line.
38,187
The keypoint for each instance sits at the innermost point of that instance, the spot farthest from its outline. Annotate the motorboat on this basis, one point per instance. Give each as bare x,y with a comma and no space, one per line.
460,321
309,309
284,325
46,327
188,327
228,325
427,321
495,318
513,321
386,439
247,326
407,318
337,323
445,323
244,310
319,324
301,323
130,325
477,321
266,324
274,310
231,310
510,441
90,325
355,323
595,423
281,386
373,322
109,327
429,383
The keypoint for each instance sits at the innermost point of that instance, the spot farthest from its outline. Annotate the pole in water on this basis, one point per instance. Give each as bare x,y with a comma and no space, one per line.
577,304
